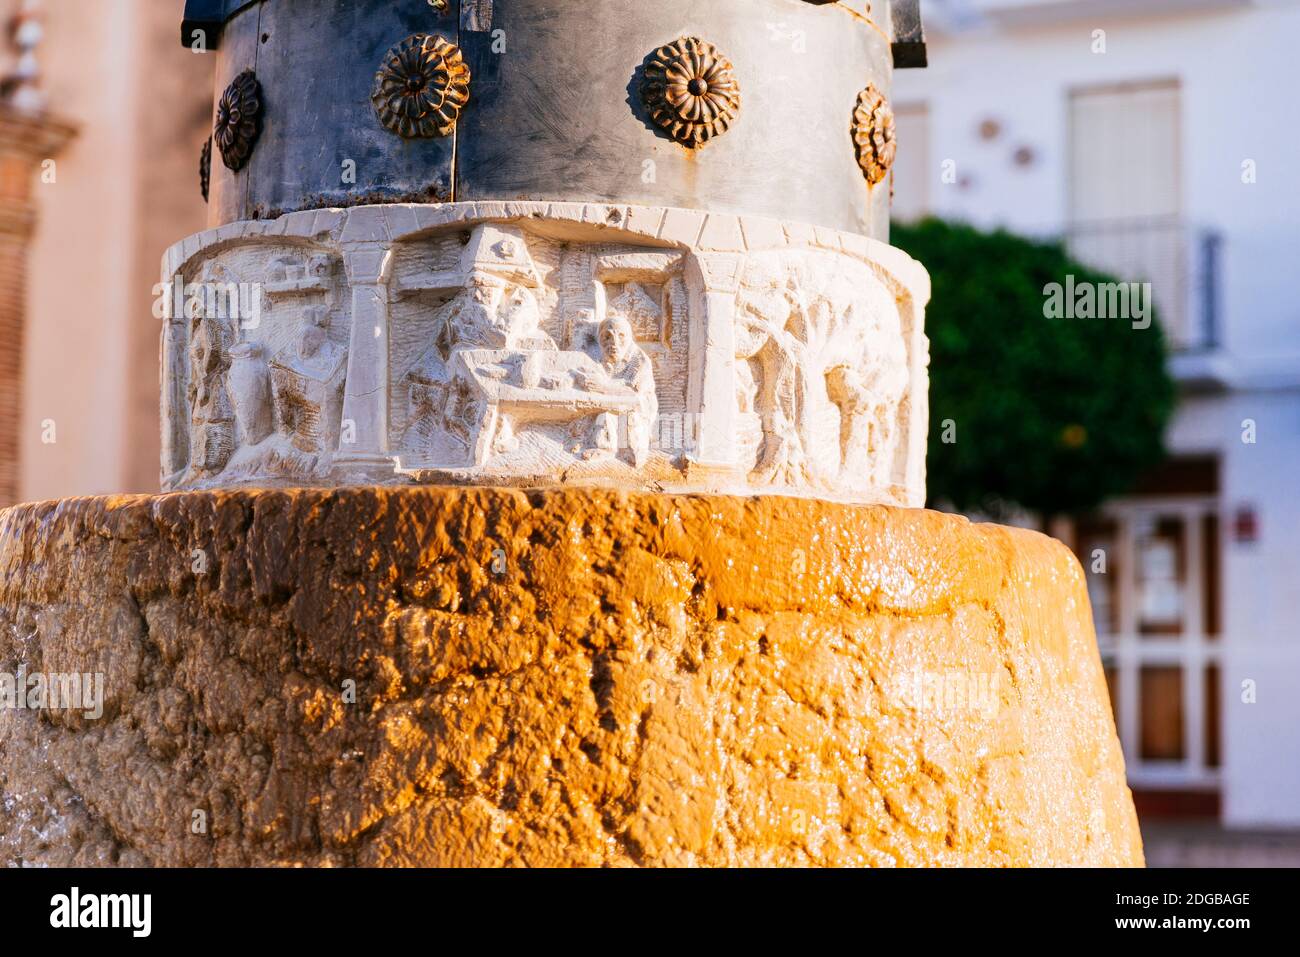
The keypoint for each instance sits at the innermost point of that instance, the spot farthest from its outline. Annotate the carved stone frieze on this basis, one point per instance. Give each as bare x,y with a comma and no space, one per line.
821,371
536,344
261,370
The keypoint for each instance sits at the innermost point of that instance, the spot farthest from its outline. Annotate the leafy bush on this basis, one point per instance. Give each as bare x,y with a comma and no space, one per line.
1052,414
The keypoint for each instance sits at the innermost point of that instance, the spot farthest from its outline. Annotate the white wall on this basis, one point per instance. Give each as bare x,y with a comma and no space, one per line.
125,189
1238,70
1261,597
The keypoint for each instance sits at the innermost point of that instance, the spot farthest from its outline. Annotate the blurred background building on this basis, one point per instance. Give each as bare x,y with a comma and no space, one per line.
122,187
1158,138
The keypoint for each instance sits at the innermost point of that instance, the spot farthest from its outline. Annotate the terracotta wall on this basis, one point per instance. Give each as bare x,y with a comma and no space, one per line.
125,189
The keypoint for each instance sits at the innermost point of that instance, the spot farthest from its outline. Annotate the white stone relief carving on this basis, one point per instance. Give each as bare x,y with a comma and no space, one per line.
250,390
212,438
263,385
534,343
503,389
307,385
821,372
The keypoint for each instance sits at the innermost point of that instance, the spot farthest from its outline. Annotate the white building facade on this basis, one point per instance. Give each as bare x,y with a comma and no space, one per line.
1160,138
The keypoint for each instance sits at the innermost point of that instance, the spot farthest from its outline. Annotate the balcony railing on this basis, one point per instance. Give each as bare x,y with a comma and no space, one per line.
1181,262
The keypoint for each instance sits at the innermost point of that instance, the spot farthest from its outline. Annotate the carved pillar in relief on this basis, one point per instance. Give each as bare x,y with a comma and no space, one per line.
363,433
174,408
715,281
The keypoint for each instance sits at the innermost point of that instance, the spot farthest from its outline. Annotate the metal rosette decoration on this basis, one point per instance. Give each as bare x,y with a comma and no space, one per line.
874,135
690,90
239,120
421,88
732,104
205,168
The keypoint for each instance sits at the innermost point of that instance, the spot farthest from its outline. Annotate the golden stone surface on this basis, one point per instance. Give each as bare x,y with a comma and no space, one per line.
551,678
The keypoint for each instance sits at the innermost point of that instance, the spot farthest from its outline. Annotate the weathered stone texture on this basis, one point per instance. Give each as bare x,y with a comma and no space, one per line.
547,678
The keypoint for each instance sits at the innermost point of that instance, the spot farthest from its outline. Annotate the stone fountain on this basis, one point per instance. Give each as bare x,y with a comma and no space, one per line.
544,423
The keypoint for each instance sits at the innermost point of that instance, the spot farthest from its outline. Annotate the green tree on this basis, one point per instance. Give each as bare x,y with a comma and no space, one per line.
1052,414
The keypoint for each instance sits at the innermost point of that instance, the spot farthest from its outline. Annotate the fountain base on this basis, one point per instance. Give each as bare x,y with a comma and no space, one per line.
481,677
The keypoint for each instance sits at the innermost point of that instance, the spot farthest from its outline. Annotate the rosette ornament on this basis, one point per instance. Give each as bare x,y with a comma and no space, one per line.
691,91
205,167
239,120
421,87
873,134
